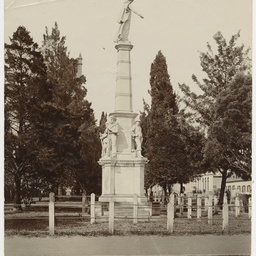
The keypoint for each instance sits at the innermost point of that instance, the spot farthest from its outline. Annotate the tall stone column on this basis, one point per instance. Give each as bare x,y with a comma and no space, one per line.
123,95
123,175
123,100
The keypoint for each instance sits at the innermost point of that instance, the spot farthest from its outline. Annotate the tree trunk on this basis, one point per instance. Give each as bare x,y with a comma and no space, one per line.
181,187
163,195
17,194
223,186
170,188
59,190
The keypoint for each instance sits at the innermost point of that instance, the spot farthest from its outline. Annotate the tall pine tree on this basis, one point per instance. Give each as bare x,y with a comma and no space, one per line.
25,89
68,135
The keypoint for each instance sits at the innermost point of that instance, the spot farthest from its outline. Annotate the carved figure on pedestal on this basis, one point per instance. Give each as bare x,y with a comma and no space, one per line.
104,143
124,20
112,131
137,136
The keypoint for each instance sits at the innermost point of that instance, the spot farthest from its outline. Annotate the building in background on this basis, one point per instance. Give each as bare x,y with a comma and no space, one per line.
207,183
237,185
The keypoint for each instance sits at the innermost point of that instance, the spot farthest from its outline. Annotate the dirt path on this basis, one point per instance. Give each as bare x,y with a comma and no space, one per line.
133,245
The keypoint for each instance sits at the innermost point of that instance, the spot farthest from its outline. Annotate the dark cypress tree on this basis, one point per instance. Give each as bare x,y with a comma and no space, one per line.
172,146
162,138
103,120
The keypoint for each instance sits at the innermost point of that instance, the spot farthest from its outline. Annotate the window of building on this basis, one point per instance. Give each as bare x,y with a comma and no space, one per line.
249,188
243,188
239,188
233,187
229,188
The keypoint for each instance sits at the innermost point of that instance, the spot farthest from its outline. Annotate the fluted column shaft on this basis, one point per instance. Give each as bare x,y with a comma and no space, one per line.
123,94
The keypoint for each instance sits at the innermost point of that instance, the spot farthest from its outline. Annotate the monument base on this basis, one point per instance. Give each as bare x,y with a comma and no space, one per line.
122,178
122,198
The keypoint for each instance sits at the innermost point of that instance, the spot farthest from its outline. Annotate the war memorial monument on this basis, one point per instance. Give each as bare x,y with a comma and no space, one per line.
122,162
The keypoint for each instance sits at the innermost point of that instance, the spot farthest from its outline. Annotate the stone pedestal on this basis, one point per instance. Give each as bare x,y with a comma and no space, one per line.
123,175
121,179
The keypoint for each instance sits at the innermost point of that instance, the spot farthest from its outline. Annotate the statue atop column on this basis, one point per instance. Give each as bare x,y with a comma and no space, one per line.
124,20
136,133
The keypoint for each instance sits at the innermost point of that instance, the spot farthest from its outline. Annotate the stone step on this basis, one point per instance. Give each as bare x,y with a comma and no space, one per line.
127,211
127,215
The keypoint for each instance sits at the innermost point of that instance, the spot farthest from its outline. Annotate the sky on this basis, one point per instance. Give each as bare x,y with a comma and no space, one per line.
179,28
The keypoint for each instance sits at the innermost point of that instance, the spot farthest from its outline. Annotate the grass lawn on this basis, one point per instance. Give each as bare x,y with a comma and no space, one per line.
34,223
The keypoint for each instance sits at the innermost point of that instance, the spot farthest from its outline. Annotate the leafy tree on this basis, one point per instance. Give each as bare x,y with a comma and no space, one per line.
229,137
220,69
68,143
189,153
25,80
234,129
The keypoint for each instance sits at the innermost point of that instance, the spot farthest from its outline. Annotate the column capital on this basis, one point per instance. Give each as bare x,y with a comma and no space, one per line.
125,46
123,114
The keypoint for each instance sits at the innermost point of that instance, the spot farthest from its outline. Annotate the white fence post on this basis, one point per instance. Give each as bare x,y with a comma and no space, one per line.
198,206
92,208
111,216
135,209
51,213
206,203
179,203
237,207
250,207
210,210
170,214
241,205
189,207
215,200
225,216
182,203
225,199
83,203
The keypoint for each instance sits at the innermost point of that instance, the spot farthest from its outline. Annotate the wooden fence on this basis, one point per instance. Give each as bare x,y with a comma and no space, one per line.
176,204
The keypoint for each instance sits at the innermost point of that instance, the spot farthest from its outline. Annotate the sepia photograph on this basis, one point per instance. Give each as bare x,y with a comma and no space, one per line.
127,127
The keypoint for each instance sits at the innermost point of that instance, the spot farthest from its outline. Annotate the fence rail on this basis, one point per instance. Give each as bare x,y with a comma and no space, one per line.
176,204
192,208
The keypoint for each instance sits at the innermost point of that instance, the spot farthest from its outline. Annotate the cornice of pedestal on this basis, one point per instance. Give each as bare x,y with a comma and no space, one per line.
113,161
123,114
124,45
110,161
